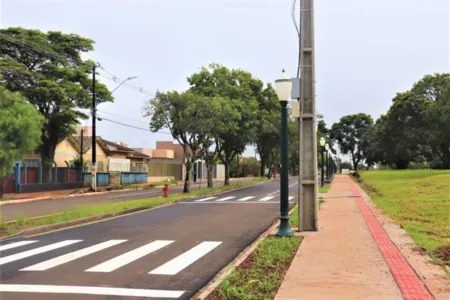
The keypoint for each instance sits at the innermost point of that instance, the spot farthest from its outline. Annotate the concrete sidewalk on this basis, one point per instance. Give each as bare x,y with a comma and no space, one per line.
345,259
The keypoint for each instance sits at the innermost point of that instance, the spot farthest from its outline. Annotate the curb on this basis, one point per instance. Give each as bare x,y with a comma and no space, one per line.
18,201
205,291
26,200
62,225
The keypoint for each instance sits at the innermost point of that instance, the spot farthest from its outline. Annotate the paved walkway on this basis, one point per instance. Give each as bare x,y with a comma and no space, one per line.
350,257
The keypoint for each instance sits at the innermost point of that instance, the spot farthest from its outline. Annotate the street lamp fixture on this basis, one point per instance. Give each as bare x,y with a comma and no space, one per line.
283,88
322,150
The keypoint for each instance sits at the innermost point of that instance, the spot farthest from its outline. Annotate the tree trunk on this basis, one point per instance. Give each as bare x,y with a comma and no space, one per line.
401,164
209,168
445,158
187,179
262,169
47,158
227,173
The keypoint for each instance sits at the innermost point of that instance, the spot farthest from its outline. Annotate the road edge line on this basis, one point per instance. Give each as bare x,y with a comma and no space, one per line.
109,216
212,284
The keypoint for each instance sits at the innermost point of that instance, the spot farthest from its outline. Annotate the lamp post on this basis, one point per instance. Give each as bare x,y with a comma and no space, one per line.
283,87
327,147
322,150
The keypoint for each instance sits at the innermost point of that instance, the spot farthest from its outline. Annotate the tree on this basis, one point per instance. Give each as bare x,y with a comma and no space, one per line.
435,91
176,112
20,129
350,133
48,70
241,90
212,116
267,135
250,166
293,146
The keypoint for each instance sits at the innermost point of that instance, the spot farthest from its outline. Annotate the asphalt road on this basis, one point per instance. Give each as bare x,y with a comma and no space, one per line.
24,210
166,253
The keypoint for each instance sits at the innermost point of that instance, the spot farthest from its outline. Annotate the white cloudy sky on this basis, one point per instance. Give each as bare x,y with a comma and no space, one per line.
366,50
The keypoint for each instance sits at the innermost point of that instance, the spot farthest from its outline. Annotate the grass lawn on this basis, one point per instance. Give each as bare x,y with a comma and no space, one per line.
260,275
419,201
90,210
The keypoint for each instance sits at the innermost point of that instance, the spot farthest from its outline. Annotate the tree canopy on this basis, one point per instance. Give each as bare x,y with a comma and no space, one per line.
414,130
20,128
241,90
350,133
53,77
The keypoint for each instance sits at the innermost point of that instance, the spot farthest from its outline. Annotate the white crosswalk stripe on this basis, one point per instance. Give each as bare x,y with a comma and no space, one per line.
182,261
126,258
14,245
205,199
72,256
226,198
89,290
20,255
266,198
246,198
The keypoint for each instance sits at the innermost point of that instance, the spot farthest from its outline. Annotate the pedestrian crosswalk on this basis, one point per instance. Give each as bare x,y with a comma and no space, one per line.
229,199
171,266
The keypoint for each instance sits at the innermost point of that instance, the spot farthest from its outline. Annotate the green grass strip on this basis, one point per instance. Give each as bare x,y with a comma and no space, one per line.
293,220
324,189
260,275
418,201
91,210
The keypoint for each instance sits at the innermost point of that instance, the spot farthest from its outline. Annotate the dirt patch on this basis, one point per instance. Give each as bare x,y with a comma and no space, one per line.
443,253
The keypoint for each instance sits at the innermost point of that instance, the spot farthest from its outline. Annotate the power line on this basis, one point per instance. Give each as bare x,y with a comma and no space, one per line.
63,58
117,115
131,126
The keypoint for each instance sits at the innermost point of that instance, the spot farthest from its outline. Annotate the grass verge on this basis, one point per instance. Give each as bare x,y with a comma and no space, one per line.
293,220
418,201
261,274
324,189
91,210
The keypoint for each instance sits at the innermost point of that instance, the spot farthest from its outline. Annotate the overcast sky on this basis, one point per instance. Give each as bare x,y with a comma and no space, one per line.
366,50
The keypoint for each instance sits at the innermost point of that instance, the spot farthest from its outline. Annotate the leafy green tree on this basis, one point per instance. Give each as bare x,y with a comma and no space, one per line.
20,129
176,112
241,90
293,146
212,117
349,133
435,90
267,135
48,70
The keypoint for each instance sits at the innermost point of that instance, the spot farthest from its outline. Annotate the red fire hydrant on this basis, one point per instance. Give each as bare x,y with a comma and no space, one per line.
166,190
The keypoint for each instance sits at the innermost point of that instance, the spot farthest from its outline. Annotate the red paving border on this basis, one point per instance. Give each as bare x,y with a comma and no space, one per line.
407,280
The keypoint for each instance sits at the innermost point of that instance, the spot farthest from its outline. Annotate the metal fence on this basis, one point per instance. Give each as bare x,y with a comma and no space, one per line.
165,169
102,179
133,178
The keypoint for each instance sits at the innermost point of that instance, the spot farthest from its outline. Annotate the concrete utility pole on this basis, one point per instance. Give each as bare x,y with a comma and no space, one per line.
94,143
308,206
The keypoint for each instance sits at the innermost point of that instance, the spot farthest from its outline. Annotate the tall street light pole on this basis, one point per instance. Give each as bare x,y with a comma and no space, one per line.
322,148
283,87
94,119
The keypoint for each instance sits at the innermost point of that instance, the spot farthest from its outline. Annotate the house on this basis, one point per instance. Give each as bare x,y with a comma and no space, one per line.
110,156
